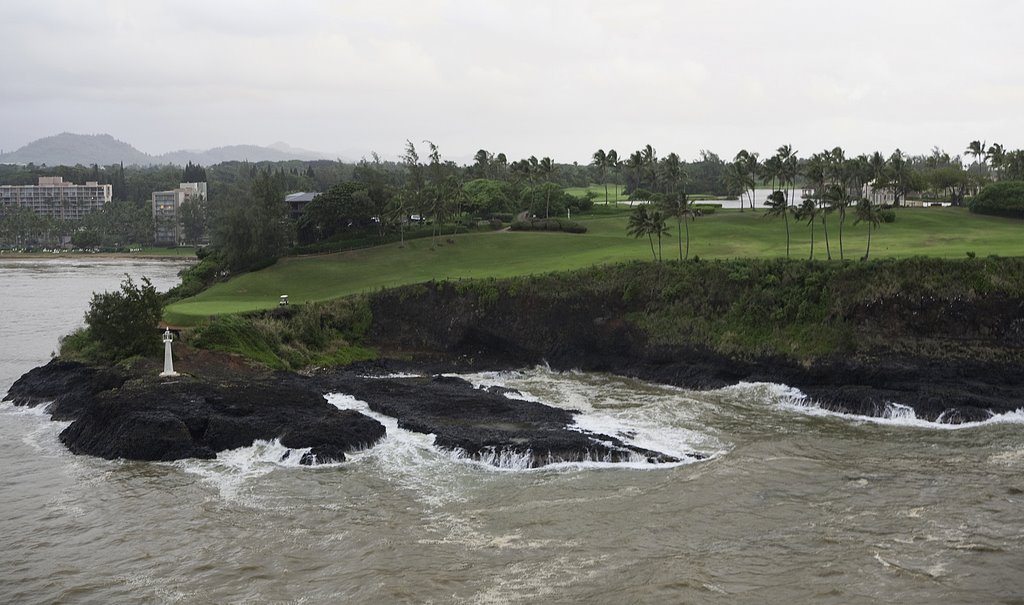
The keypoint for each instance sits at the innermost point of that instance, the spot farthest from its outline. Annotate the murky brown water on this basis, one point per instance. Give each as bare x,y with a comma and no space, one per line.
794,506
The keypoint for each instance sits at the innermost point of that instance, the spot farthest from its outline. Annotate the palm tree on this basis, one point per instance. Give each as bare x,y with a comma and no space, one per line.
612,158
900,172
649,159
500,165
481,162
735,181
810,212
546,168
600,161
641,224
878,170
771,171
788,170
672,169
635,165
976,149
870,214
747,169
996,154
814,170
777,206
678,206
658,227
533,170
838,199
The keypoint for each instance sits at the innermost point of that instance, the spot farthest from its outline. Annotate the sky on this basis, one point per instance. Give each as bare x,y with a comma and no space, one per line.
558,78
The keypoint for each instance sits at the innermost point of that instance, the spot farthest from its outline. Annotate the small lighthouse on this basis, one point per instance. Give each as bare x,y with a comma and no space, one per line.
168,361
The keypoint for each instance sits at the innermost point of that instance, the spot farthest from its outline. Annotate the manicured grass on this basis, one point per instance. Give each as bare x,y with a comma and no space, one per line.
598,191
938,232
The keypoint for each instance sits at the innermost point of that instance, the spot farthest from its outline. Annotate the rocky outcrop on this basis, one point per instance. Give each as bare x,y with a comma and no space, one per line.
140,418
131,414
486,424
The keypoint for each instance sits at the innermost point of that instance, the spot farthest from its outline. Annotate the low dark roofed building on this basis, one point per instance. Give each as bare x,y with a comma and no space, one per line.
297,202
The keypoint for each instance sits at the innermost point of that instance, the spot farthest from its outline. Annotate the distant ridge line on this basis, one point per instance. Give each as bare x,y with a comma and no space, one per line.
69,149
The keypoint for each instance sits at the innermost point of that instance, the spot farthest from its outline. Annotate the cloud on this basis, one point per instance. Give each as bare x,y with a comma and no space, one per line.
527,78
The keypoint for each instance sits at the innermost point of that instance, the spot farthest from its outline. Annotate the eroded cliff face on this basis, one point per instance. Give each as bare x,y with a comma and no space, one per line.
940,346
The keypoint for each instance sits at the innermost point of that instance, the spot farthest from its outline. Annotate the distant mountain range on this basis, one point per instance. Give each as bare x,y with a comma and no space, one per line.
67,149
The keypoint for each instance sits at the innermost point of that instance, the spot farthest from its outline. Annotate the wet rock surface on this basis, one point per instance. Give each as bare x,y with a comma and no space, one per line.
140,418
485,423
120,414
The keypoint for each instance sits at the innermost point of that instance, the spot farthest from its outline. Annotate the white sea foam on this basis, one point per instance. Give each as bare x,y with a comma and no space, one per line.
641,415
893,414
403,448
8,407
232,469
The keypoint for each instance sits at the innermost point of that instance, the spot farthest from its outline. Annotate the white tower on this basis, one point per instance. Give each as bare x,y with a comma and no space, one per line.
168,362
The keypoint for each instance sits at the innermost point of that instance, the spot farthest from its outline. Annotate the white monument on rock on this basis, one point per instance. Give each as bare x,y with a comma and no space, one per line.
168,362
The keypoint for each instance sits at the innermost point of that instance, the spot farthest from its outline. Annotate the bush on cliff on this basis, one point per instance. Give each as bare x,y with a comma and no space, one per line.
118,324
1000,199
293,337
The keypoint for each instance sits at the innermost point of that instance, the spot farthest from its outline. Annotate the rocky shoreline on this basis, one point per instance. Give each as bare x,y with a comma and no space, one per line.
945,339
221,402
132,414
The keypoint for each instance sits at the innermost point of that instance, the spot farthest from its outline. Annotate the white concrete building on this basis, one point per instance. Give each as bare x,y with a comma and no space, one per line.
54,198
167,225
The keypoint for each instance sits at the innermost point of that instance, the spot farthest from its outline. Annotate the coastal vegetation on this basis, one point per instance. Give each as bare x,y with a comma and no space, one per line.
118,325
725,234
380,224
1001,199
742,309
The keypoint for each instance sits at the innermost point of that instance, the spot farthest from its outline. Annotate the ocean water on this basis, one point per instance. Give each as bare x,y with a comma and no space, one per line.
792,503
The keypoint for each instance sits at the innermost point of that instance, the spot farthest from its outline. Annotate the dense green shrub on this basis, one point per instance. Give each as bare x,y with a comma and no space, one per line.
1000,199
118,324
888,215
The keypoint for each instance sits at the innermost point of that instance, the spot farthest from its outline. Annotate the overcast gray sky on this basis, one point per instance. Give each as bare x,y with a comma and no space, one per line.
558,78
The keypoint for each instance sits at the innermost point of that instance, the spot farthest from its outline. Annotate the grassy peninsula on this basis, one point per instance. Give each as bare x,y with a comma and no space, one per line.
725,234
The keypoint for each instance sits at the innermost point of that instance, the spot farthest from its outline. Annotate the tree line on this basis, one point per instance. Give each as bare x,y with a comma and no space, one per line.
424,191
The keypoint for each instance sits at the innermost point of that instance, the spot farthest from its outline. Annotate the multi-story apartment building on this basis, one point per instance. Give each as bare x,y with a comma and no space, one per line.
54,198
166,211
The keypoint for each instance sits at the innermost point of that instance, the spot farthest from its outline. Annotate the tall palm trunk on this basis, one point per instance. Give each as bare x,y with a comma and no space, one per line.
842,219
651,240
785,216
679,235
868,251
812,241
606,194
685,224
824,225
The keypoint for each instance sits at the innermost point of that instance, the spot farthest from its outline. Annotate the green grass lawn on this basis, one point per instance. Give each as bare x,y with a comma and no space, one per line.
940,232
598,191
